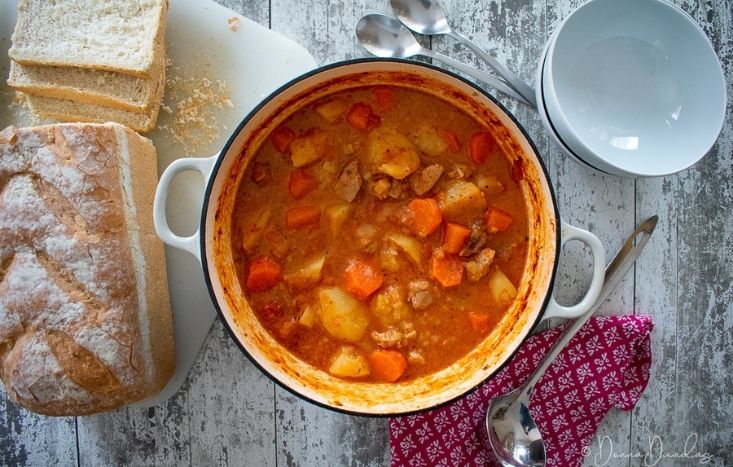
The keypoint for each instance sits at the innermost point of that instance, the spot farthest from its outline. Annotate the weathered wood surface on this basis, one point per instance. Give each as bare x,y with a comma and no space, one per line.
228,413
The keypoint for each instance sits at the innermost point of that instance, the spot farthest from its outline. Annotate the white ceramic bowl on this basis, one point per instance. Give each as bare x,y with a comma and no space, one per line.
542,111
633,87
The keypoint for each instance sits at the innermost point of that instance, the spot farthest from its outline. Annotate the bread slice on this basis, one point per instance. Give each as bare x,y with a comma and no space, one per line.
108,88
85,321
113,35
70,111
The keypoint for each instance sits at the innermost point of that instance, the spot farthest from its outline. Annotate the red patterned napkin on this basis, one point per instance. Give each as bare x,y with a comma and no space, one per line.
605,365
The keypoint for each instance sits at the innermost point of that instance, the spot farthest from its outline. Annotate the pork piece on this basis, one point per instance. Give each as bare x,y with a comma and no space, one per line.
395,337
420,293
479,266
398,190
424,180
415,357
379,187
476,241
261,174
349,182
365,235
459,172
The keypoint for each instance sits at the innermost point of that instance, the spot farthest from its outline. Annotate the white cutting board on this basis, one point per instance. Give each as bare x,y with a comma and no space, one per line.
252,61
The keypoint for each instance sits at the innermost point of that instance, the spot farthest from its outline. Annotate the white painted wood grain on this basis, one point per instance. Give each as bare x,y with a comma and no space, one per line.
30,439
229,414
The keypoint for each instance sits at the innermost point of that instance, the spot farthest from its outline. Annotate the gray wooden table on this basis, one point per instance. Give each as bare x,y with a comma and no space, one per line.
229,413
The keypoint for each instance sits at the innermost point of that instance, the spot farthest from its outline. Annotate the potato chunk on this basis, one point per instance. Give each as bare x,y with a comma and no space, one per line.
501,288
429,140
461,198
307,273
349,362
391,153
336,215
254,228
411,246
343,316
308,316
332,110
309,147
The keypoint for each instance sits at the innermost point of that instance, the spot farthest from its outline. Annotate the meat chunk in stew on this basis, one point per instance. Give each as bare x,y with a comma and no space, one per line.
420,293
425,179
349,182
479,266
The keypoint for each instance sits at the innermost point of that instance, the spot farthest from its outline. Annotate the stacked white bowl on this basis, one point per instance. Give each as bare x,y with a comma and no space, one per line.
631,88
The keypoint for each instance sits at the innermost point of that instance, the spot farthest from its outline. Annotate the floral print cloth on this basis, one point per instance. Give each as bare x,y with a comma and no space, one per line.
605,365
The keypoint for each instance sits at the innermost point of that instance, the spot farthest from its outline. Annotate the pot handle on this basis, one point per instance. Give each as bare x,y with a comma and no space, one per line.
202,165
568,233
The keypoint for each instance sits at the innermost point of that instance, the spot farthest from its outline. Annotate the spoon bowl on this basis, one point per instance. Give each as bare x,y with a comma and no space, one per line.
513,434
385,37
422,16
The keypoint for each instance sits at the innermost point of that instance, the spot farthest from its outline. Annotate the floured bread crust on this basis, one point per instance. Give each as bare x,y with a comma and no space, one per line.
85,323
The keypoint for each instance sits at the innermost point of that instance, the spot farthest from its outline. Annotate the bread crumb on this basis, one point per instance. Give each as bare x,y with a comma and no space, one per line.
191,101
233,23
8,135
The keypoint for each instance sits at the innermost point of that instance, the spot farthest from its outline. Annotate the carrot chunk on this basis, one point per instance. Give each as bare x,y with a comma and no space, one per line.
450,137
300,183
302,216
497,220
362,117
387,365
362,279
455,237
447,271
480,322
424,216
384,97
480,146
264,274
281,139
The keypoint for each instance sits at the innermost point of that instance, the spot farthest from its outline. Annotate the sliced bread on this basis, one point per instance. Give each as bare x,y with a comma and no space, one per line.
71,111
114,35
109,88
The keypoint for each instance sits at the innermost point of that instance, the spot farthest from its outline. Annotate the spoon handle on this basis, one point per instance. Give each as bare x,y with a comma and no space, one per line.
482,76
615,271
511,79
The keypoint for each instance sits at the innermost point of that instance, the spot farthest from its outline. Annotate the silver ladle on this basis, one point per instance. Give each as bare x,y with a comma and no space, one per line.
427,17
512,433
385,36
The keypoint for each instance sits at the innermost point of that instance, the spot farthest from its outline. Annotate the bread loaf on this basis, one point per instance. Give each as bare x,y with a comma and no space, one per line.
115,35
85,323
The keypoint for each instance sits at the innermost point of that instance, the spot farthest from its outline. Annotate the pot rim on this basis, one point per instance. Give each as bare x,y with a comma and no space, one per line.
215,172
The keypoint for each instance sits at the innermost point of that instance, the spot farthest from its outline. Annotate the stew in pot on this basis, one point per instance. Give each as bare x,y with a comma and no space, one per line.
380,233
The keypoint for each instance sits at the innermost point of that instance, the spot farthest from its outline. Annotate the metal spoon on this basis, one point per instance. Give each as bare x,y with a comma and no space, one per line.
513,434
428,17
385,36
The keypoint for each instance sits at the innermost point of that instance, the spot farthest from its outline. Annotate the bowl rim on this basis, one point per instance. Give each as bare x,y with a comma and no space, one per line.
215,171
550,126
555,112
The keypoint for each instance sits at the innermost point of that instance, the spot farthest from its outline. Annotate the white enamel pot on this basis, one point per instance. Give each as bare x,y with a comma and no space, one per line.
211,243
